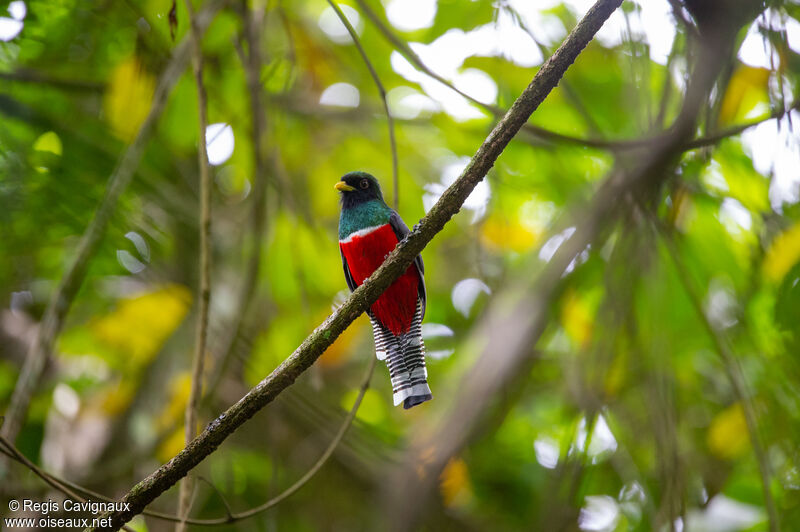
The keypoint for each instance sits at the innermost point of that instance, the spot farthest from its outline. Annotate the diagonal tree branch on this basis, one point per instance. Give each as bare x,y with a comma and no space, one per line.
323,336
71,489
70,284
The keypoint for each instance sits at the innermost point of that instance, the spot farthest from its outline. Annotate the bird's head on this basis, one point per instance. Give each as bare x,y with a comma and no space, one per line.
358,187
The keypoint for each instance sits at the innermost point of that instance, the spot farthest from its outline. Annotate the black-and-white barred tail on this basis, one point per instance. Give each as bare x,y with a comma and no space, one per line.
405,357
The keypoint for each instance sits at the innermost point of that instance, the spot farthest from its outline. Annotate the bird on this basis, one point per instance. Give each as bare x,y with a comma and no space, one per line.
368,231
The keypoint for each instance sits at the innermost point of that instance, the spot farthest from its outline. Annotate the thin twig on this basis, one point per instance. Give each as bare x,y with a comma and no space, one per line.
70,283
382,91
287,29
204,289
394,265
666,87
221,497
713,138
733,370
67,487
24,75
677,12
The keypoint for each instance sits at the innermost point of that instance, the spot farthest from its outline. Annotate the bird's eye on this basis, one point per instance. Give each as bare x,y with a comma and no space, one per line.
364,183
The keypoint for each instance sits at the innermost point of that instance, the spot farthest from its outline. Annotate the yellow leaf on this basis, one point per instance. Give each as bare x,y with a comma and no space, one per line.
179,388
454,483
172,445
116,397
46,151
727,436
677,206
128,98
501,234
576,318
683,211
140,325
48,142
746,89
783,253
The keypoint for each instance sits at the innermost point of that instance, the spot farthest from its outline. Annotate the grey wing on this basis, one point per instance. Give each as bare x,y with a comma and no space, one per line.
351,284
401,231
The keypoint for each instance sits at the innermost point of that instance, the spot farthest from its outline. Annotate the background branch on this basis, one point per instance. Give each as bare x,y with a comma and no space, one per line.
252,27
204,287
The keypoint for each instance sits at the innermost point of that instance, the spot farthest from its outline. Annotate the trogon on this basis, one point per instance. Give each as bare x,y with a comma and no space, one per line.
368,231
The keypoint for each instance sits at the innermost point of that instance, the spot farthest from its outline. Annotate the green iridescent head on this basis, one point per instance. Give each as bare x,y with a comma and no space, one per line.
362,203
358,187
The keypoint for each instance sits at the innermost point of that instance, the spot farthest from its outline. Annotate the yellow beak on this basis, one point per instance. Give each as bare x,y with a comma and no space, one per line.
341,186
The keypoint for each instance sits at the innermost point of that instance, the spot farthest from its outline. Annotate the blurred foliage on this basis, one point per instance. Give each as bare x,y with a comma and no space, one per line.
627,420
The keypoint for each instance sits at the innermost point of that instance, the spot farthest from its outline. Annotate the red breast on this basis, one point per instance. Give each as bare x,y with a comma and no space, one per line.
365,251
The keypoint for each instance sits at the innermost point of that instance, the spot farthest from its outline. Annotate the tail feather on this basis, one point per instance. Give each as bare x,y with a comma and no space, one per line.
384,339
405,358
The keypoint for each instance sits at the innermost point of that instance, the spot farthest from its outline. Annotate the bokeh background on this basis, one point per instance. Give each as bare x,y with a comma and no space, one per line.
625,418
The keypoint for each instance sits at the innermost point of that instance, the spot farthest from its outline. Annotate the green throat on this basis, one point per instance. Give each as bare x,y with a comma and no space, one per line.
362,215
